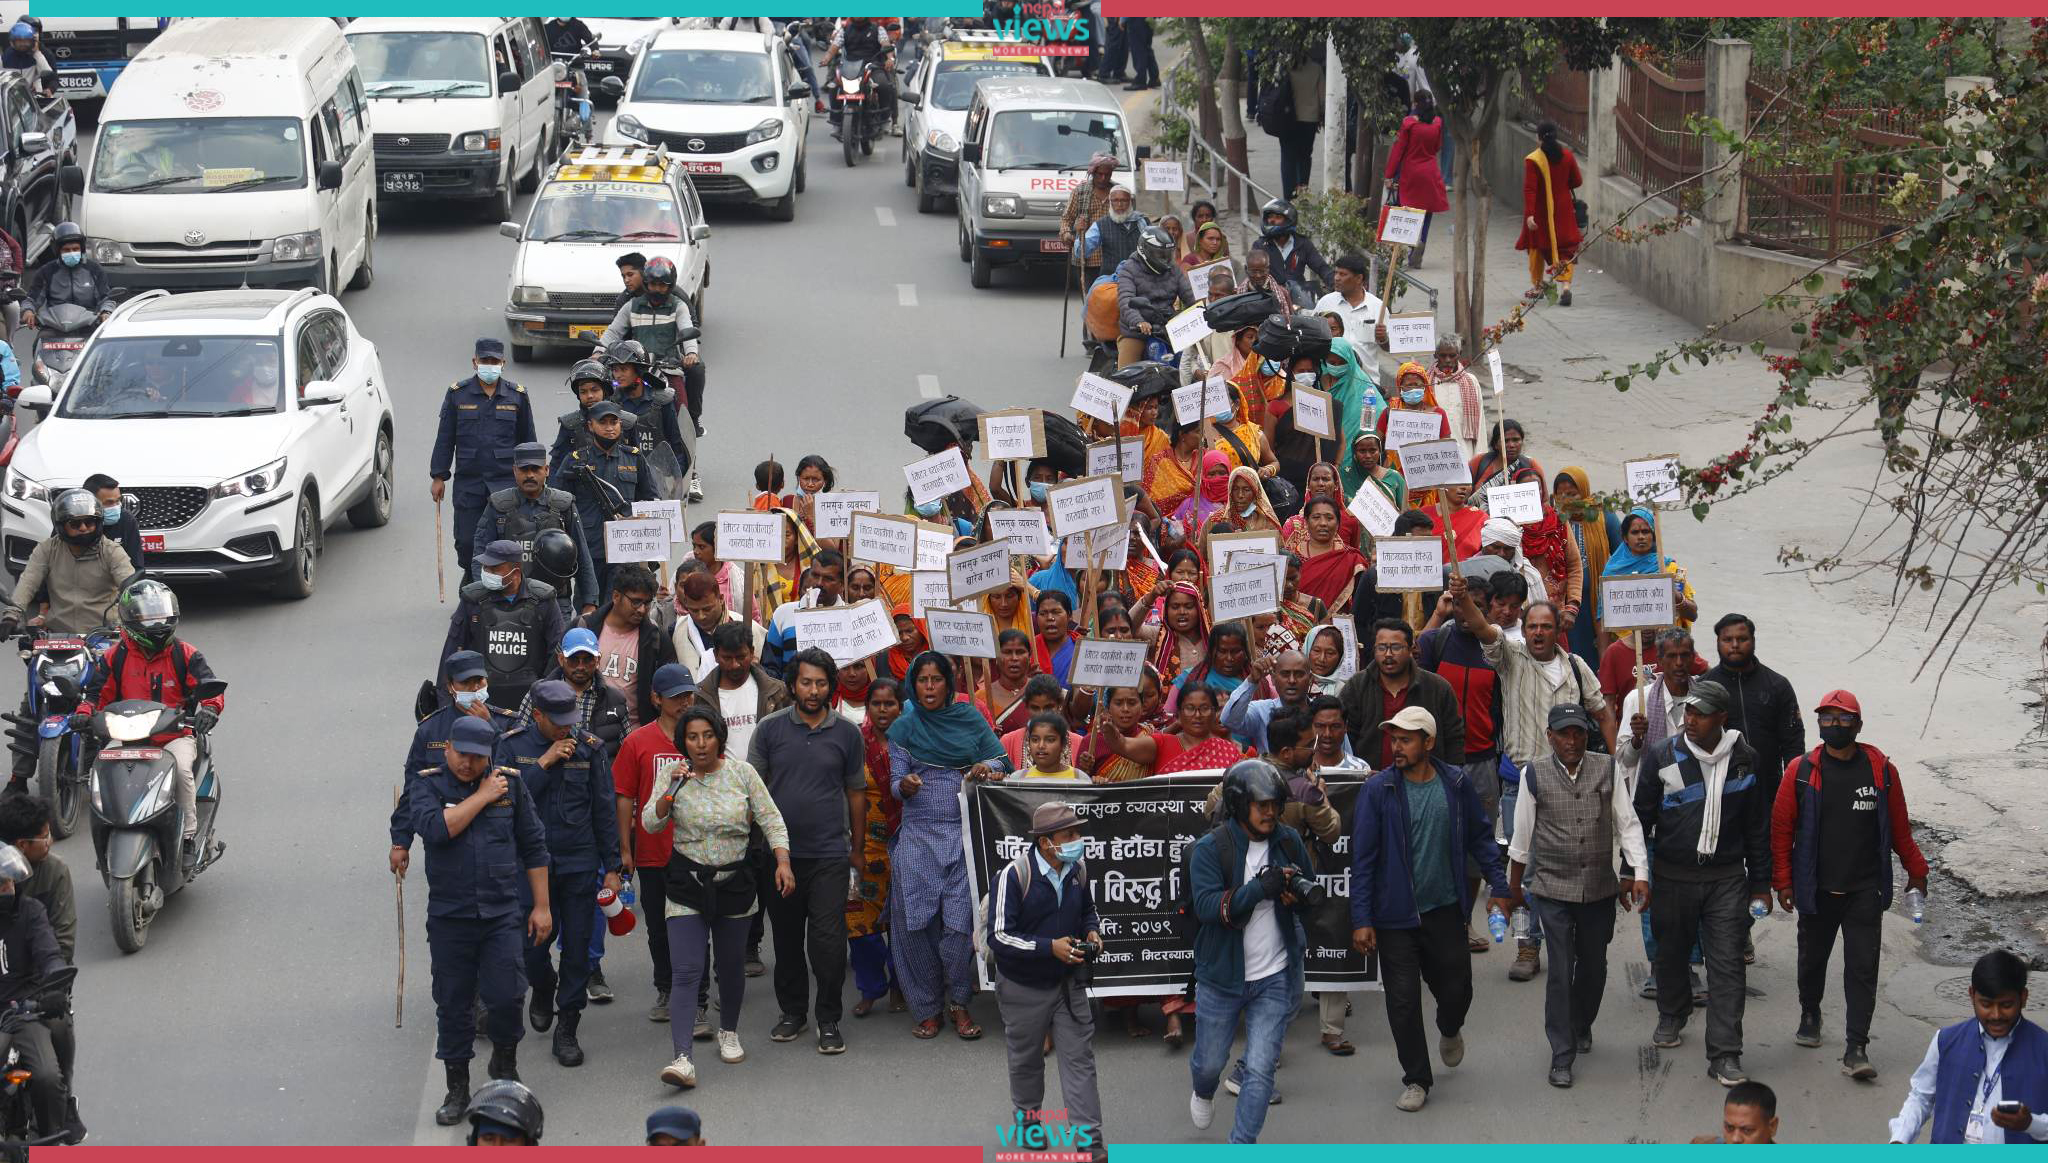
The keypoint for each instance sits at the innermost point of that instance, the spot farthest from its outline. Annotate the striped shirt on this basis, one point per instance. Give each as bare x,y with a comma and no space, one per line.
1530,688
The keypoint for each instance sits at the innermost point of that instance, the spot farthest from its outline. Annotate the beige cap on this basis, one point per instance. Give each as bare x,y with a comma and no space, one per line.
1413,719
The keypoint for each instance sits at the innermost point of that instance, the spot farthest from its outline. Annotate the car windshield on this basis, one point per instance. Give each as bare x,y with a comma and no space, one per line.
148,377
705,77
604,212
1053,139
953,88
414,64
198,155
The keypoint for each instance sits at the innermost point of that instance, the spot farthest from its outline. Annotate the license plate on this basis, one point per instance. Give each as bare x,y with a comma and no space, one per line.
77,82
690,167
851,98
152,543
1052,246
131,753
598,65
407,182
63,644
585,331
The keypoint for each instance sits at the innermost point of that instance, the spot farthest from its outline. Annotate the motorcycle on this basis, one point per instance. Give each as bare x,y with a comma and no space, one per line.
572,100
855,94
61,332
19,1129
60,667
136,826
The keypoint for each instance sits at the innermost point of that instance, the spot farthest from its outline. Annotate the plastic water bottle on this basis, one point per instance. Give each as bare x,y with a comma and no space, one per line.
626,891
1916,904
1759,910
1497,924
1521,924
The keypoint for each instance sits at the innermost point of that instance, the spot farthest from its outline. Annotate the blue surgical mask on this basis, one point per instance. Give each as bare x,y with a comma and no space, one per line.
1248,510
931,508
71,258
1411,396
1038,491
467,699
489,372
1071,851
110,513
491,581
1271,367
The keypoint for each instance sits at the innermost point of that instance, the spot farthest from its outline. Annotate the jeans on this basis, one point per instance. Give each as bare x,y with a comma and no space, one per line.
1858,915
1297,156
1266,1005
1433,953
1578,969
1716,914
802,52
811,920
687,937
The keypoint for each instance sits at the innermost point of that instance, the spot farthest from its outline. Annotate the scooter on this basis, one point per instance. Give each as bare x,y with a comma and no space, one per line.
61,332
853,94
60,668
136,826
19,1129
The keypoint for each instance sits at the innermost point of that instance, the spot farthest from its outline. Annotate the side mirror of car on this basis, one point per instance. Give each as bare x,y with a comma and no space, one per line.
71,179
329,176
970,151
916,100
700,232
613,87
320,392
1144,151
510,230
508,82
35,397
35,141
799,90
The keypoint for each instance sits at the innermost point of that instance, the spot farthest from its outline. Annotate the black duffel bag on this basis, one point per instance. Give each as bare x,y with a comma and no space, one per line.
936,425
1290,337
1244,309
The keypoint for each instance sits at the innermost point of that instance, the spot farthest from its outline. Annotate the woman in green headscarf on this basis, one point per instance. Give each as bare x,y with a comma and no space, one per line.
1356,391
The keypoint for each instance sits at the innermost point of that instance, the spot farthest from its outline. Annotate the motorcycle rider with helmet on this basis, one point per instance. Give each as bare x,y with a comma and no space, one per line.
28,957
864,38
655,317
652,418
78,572
1292,254
1148,284
72,276
150,661
504,1113
530,510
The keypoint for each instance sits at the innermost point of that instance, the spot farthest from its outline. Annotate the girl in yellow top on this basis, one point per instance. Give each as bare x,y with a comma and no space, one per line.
1045,744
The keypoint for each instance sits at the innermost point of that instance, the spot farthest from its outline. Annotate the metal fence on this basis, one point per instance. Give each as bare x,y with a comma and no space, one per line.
1656,147
1565,98
1801,195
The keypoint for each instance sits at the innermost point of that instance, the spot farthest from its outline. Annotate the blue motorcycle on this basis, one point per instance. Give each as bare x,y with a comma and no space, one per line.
60,668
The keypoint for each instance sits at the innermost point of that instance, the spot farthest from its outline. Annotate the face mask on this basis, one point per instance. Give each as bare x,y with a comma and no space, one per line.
1268,367
467,699
1071,850
1038,491
1248,510
931,508
1305,379
491,581
1838,736
110,513
489,372
72,258
1411,396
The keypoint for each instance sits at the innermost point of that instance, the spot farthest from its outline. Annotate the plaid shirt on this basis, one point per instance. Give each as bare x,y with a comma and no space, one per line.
1097,209
1527,696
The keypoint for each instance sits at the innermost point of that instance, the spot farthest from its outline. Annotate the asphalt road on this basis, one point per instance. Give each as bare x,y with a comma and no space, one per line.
261,1010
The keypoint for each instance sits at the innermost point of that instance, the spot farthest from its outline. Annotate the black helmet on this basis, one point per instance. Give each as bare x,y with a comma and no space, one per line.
658,270
1250,781
508,1103
1155,248
554,554
76,505
628,351
1282,207
149,614
590,370
67,232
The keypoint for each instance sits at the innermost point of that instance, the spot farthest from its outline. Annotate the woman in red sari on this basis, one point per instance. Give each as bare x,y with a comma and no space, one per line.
1550,224
1328,565
1411,165
867,918
1183,641
1322,479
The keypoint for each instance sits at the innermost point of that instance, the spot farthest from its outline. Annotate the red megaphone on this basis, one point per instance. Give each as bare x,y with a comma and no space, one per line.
617,917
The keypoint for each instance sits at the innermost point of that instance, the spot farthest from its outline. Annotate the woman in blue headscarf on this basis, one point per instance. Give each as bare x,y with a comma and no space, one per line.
1639,553
939,744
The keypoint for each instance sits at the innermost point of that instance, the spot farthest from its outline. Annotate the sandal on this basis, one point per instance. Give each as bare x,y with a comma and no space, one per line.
1342,1047
963,1024
926,1029
896,1003
1174,1036
1476,943
864,1007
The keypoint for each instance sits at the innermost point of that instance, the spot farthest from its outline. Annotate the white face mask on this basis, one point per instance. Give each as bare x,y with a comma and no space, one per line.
491,581
467,699
1305,379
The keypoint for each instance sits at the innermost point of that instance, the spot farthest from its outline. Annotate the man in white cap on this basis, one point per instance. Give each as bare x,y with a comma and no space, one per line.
1503,539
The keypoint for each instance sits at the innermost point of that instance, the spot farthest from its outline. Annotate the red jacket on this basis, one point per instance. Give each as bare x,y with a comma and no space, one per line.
1795,819
162,678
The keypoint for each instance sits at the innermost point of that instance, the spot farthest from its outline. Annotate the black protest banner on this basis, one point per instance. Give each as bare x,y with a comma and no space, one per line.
1138,836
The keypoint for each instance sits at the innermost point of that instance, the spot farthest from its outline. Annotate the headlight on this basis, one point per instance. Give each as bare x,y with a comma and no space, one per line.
481,140
255,482
107,252
23,489
294,247
768,130
629,126
1002,206
941,141
536,295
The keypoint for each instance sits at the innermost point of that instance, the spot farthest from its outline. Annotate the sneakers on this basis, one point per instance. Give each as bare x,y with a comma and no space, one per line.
1670,1033
787,1029
1808,1034
1201,1111
1561,1077
829,1039
1727,1070
1856,1063
681,1074
1649,989
658,1012
456,1104
702,1032
754,966
1451,1048
697,494
1234,1083
596,990
1528,961
1412,1098
729,1047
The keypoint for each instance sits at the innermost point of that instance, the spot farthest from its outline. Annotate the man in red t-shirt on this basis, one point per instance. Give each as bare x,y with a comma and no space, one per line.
646,752
1618,675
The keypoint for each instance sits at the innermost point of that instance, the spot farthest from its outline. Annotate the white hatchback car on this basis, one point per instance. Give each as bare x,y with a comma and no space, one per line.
243,423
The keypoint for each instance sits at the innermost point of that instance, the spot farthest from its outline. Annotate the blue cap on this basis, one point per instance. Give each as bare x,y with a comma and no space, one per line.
604,408
465,664
490,348
472,736
554,697
579,641
677,1121
531,453
672,679
500,552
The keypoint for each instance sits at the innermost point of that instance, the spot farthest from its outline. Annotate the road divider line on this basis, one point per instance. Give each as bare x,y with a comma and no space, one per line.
906,294
885,216
928,387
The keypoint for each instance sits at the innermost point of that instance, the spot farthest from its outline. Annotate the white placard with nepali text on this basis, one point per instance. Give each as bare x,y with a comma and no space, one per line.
1244,593
927,590
1374,509
745,535
1198,277
1500,383
1095,502
940,475
1403,226
973,572
934,542
1638,601
1522,504
1211,397
834,511
1187,328
1407,333
1314,414
847,633
1434,463
645,539
1107,662
1408,564
1654,480
1103,399
1102,459
962,633
671,511
1407,426
882,539
1018,435
1024,529
1164,174
1112,549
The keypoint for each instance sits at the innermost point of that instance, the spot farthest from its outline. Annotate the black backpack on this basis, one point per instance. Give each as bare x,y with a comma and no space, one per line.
1244,309
1276,106
1065,448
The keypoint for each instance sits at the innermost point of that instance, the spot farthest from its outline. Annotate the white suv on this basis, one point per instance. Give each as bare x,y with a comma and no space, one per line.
243,423
729,105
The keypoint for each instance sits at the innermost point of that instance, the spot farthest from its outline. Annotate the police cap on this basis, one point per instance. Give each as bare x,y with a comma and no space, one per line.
465,664
472,736
527,455
554,697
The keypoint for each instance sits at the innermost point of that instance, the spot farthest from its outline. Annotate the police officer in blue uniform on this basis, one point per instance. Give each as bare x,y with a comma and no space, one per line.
482,418
483,841
513,622
564,768
467,692
606,476
531,508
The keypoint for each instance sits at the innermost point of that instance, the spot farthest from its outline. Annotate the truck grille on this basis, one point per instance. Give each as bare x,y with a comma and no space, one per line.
167,507
409,144
679,143
79,47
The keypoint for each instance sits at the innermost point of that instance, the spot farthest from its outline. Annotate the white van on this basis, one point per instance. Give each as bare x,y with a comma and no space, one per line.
464,106
1025,146
232,152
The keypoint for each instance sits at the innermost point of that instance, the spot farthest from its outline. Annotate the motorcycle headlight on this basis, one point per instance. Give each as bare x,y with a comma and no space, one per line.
295,247
629,126
107,252
939,141
1002,206
23,489
253,483
768,130
480,141
530,295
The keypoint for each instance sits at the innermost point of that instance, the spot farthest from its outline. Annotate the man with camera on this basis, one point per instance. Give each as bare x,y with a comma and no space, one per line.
1042,928
1250,891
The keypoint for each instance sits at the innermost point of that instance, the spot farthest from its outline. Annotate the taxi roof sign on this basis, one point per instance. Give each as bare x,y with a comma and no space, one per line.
612,163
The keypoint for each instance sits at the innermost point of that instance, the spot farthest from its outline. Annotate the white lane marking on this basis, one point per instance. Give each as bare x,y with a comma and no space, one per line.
928,387
885,216
425,1131
906,294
